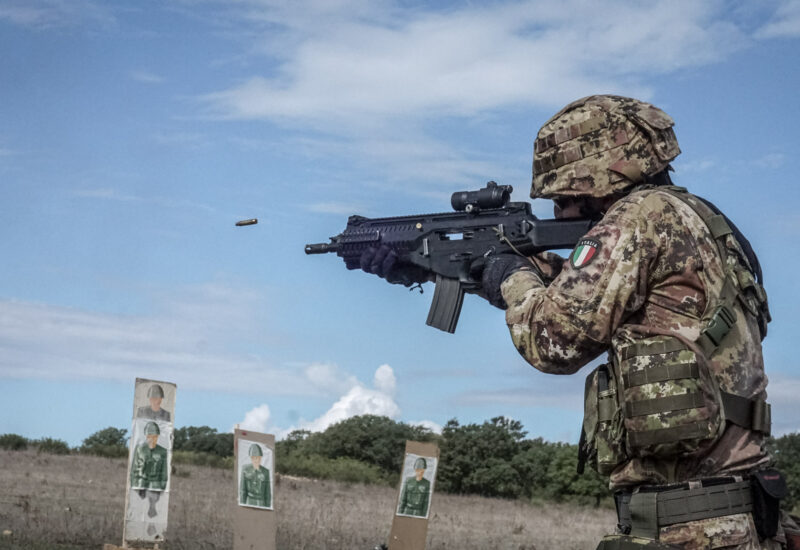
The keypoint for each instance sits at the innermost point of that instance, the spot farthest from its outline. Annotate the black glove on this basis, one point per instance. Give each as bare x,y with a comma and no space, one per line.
383,262
142,493
496,270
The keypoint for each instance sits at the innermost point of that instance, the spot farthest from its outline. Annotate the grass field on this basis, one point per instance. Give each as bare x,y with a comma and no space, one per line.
68,502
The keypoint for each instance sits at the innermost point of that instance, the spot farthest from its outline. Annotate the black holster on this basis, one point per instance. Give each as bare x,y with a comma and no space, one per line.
768,487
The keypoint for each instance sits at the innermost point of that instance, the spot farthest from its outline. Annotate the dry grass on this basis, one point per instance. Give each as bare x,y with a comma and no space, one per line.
50,501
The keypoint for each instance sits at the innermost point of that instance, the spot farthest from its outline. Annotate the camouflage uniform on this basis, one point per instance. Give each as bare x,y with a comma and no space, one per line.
653,267
149,468
415,497
254,487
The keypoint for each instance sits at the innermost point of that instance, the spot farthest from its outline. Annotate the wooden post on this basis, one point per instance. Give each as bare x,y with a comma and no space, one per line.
410,532
254,521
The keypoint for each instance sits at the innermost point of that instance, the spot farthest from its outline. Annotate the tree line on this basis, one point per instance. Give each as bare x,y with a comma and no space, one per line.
494,458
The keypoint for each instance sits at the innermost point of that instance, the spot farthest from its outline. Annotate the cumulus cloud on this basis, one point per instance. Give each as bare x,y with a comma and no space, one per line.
361,400
384,380
256,419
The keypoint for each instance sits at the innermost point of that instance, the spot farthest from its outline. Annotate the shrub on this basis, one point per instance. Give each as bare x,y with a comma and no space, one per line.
51,446
337,469
13,442
199,458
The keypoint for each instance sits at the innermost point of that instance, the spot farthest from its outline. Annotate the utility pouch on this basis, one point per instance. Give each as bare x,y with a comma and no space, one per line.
626,542
769,487
671,400
602,437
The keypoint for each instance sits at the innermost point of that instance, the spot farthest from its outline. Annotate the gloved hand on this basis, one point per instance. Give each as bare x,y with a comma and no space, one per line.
383,262
141,492
496,270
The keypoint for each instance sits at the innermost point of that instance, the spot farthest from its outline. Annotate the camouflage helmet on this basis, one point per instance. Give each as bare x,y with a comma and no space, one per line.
420,464
255,450
151,428
600,145
155,391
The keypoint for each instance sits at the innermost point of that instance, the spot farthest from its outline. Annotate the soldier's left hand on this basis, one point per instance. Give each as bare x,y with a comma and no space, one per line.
497,269
383,262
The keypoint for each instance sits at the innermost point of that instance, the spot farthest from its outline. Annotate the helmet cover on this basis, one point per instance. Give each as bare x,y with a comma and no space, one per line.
600,145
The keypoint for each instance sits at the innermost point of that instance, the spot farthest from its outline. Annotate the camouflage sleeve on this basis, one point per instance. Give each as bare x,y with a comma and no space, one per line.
561,327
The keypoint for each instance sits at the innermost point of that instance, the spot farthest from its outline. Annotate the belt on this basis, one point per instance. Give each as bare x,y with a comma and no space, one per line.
644,511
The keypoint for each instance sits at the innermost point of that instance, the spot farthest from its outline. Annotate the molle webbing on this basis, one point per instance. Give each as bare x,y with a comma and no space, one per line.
657,405
693,430
646,512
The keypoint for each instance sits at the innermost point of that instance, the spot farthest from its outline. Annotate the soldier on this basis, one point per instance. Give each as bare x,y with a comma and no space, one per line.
416,493
154,412
254,484
672,290
149,466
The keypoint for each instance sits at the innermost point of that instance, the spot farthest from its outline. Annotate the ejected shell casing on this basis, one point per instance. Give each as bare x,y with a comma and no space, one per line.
251,221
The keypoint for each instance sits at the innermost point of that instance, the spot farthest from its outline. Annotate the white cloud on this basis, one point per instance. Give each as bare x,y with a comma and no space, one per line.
48,14
329,378
187,339
146,77
359,400
363,66
430,424
771,161
256,419
785,23
384,380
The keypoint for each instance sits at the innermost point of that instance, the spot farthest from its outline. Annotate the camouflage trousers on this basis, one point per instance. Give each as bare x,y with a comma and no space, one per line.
734,532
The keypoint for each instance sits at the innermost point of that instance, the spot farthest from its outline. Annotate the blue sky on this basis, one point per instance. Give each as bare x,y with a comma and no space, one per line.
133,135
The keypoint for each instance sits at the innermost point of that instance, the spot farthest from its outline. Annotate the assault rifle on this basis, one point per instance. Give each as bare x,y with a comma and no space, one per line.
449,244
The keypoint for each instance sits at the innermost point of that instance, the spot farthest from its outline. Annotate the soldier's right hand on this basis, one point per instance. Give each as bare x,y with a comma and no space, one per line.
384,262
142,493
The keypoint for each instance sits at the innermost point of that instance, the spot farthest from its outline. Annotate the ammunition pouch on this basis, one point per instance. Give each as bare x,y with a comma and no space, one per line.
671,400
768,488
602,436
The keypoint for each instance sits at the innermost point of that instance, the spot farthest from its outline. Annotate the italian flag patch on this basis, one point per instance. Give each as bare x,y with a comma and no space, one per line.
585,251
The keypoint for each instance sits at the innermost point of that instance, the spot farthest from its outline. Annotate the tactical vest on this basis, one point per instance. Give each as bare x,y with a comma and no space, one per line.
659,397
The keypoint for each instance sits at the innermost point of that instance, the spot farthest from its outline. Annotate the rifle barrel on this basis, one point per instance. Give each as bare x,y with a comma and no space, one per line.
321,248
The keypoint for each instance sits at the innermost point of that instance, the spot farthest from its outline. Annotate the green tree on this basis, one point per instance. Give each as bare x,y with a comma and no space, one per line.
371,439
478,458
785,451
109,442
203,439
